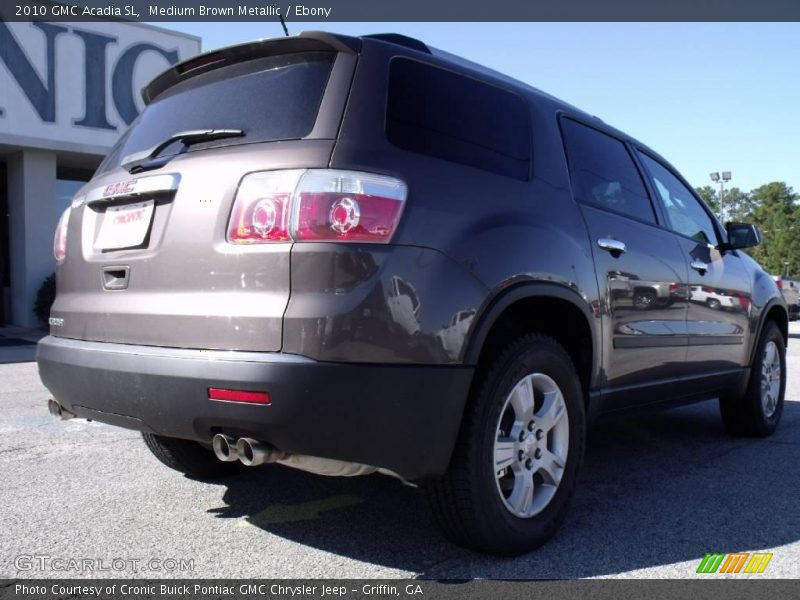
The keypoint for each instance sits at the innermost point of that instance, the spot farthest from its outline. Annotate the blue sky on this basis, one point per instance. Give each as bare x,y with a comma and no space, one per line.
708,96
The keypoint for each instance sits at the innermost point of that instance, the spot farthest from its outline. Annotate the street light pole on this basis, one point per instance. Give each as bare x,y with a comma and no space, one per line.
715,177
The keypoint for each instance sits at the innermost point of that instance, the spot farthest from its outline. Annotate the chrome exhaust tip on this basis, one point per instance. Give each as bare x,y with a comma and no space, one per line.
253,453
225,448
57,410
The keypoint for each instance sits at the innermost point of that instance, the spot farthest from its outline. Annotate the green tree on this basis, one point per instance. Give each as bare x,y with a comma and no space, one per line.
775,211
739,205
709,196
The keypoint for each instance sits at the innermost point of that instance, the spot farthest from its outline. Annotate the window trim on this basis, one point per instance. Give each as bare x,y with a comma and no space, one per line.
718,229
659,220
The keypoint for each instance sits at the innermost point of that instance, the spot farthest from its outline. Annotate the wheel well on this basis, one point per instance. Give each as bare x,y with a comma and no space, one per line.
781,319
560,319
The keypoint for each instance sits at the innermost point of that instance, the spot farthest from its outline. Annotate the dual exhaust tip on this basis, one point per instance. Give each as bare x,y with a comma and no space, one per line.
247,450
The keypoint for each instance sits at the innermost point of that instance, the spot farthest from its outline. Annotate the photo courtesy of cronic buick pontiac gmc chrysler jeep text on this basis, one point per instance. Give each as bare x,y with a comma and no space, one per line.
351,255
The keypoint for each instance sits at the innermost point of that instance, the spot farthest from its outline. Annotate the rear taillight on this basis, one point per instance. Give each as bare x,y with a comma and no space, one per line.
316,205
60,239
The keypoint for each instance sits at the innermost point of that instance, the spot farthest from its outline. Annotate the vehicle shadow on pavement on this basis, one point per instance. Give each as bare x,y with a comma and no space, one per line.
654,491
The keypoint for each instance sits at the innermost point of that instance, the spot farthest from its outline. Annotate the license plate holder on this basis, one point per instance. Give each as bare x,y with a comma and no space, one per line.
125,226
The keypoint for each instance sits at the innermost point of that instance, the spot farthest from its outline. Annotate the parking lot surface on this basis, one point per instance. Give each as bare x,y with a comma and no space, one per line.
656,493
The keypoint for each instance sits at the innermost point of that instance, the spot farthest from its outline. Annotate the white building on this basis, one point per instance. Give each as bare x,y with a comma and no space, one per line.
67,92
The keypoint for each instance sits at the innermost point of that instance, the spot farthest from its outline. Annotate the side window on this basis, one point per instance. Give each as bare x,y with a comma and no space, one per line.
684,212
443,114
603,172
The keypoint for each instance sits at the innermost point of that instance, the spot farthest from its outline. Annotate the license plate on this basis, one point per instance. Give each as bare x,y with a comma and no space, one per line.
124,226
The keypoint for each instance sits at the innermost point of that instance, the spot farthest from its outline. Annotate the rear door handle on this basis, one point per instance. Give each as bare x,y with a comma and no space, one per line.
699,266
615,247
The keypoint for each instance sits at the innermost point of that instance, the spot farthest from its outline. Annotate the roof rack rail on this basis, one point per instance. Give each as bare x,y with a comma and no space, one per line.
400,40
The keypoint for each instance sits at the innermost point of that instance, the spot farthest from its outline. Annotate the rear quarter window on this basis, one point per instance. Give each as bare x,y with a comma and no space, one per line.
442,114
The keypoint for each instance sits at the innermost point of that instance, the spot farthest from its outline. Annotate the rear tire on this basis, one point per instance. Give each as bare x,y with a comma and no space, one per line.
758,412
493,510
190,458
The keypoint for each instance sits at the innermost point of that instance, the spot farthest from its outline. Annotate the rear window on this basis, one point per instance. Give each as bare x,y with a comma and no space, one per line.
270,99
446,115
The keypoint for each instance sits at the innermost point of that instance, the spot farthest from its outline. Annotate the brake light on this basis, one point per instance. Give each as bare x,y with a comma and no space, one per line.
60,238
316,205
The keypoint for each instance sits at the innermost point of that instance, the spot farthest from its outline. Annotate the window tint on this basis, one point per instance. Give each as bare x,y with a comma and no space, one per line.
439,113
684,212
603,172
273,98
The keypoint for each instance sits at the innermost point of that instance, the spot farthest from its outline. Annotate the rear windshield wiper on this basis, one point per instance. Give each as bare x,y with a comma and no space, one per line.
137,161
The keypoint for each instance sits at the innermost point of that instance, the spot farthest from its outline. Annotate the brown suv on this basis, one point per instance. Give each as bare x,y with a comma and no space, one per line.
351,255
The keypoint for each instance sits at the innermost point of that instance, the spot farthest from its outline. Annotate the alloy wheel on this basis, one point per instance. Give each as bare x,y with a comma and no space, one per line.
531,445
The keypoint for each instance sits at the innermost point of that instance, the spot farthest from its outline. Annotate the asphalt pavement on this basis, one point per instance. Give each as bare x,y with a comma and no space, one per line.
656,493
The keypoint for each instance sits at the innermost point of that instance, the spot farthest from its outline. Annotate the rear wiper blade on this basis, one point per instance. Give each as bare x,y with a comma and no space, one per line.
187,138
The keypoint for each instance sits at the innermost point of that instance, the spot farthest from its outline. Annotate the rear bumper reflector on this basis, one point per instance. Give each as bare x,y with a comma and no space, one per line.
239,396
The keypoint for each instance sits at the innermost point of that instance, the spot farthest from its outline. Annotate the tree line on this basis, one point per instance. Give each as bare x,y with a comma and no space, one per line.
774,209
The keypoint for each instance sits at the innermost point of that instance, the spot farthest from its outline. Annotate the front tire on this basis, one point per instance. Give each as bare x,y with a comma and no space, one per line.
519,450
188,457
758,412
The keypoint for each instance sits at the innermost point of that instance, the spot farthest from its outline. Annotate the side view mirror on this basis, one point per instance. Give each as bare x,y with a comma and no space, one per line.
742,235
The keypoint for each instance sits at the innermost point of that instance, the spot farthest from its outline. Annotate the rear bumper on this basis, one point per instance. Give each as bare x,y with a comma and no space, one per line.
401,417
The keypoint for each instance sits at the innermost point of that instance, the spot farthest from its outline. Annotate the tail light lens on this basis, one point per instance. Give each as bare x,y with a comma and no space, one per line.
60,239
316,205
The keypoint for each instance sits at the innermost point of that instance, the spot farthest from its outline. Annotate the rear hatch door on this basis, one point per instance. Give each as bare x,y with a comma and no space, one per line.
147,259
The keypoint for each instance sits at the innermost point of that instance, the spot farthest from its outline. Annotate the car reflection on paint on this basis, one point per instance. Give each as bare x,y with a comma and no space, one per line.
453,335
404,305
626,289
719,299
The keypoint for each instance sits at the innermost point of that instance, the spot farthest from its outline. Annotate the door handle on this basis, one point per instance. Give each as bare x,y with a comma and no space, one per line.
699,266
615,247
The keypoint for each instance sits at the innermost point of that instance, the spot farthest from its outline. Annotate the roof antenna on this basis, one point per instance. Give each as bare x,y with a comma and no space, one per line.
283,24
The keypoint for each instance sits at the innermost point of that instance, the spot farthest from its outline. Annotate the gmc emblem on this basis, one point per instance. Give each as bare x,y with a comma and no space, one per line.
121,187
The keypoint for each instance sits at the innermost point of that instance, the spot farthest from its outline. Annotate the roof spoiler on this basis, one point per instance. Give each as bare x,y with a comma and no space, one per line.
308,41
400,40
